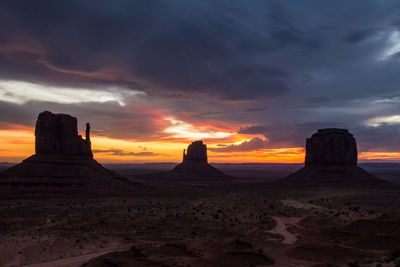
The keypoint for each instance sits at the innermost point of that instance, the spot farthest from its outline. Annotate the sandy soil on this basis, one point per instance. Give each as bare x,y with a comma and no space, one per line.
199,224
281,229
69,262
301,205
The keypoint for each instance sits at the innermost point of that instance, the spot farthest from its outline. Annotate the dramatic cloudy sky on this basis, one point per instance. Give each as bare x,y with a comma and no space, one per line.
251,78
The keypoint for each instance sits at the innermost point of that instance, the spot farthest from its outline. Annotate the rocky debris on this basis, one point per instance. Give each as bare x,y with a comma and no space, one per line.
58,134
331,159
63,165
202,252
334,176
195,164
331,147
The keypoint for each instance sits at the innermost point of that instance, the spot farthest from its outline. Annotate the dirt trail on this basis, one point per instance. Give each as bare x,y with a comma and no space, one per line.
69,262
306,206
280,228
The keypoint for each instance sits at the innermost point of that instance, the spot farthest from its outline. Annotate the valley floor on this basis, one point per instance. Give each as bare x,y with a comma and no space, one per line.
212,224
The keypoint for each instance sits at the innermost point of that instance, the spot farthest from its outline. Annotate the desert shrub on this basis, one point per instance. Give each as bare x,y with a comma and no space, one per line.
356,208
395,254
353,263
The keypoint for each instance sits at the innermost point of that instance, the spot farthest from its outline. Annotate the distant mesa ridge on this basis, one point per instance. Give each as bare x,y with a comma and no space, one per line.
331,159
62,165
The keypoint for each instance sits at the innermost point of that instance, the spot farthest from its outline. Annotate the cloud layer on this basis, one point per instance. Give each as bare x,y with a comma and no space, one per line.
268,73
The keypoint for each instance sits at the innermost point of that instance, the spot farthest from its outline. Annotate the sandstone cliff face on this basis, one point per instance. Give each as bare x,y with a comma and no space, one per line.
62,166
331,160
196,151
58,134
331,147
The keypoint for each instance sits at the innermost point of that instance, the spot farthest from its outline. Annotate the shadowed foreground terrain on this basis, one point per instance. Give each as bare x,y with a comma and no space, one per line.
329,213
244,222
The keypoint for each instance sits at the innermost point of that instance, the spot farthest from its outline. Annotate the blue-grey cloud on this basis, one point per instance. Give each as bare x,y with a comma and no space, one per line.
288,68
253,144
178,46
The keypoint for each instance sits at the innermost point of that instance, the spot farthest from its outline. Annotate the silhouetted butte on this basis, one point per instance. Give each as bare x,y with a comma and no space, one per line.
62,165
331,159
195,164
57,134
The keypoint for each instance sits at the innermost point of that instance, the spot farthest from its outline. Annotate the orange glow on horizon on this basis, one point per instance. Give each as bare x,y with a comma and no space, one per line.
276,155
371,156
18,143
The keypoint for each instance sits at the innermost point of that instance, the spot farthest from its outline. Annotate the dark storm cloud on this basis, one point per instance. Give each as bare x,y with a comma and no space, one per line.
3,41
254,129
231,50
383,137
386,135
396,55
256,109
189,46
253,144
288,67
106,119
320,99
307,77
358,36
293,135
14,114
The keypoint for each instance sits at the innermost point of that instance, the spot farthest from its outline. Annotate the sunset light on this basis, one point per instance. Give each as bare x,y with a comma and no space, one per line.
200,133
157,79
18,92
17,144
181,129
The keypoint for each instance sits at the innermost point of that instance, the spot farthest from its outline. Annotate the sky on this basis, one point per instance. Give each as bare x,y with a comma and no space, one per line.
253,79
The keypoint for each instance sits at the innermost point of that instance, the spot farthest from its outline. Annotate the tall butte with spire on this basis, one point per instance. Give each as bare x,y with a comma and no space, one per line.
57,136
63,164
331,159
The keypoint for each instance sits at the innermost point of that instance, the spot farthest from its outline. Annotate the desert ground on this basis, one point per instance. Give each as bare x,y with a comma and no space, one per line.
248,221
